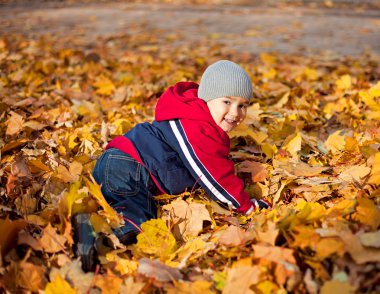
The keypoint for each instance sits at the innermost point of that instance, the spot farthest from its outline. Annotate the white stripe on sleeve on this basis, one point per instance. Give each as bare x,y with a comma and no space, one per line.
195,167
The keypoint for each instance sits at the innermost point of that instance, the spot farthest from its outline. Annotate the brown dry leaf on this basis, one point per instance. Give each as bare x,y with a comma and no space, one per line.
333,287
52,242
299,168
367,213
72,271
9,232
355,173
358,252
371,239
14,124
131,287
258,171
108,283
157,270
26,238
189,217
274,253
234,236
269,236
196,287
241,277
31,276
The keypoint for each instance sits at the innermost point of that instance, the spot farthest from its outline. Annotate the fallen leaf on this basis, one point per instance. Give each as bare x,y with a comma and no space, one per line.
292,144
59,285
332,287
109,283
258,171
189,217
9,232
52,242
241,278
14,124
375,171
157,270
367,213
31,276
156,239
274,253
234,236
371,239
355,173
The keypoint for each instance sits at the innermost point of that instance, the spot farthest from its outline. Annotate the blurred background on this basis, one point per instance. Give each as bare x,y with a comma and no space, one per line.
340,27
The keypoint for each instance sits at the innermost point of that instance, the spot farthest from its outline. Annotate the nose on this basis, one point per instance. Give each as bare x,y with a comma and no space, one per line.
234,111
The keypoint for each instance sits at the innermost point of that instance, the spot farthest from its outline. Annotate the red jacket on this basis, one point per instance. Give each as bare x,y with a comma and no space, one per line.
184,147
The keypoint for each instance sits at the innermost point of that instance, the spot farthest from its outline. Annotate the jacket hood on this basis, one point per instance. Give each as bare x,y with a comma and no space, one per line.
181,101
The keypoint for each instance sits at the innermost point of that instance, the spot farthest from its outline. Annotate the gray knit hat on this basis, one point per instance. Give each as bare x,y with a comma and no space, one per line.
224,78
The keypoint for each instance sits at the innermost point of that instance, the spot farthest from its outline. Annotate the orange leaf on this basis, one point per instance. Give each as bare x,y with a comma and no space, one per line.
258,171
14,124
51,242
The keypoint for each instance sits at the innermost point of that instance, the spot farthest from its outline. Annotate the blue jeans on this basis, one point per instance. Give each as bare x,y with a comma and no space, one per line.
127,187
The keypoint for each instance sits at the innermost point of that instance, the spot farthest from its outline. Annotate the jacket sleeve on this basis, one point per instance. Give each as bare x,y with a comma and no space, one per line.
205,154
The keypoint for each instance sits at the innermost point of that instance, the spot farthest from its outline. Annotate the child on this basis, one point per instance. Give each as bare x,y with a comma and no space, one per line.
186,146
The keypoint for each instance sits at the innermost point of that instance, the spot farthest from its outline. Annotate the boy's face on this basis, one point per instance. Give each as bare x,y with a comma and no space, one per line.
228,112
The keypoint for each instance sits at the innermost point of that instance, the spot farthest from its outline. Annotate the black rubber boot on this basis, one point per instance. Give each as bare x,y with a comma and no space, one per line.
84,241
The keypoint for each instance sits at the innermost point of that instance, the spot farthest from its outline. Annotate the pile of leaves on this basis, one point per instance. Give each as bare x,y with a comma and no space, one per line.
310,145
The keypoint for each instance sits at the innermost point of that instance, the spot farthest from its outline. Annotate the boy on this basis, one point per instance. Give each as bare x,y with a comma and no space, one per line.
186,146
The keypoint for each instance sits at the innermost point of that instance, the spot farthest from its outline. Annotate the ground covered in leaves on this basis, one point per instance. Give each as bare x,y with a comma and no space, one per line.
310,144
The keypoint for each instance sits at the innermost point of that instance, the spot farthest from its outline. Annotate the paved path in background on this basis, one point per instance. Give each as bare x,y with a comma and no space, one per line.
253,29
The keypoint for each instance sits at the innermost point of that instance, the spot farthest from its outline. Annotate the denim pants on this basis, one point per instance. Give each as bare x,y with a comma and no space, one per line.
127,187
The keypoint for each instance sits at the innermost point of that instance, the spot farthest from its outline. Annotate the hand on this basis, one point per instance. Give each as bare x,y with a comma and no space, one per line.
261,204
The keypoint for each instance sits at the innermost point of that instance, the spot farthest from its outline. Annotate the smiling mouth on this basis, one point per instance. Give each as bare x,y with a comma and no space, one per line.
230,121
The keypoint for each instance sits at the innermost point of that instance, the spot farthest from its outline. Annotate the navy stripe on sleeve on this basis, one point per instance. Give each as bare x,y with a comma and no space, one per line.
212,185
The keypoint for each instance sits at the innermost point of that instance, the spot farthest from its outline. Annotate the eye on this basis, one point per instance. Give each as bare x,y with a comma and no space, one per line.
228,102
243,106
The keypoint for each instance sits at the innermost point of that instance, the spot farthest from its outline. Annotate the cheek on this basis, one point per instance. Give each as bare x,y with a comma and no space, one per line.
243,115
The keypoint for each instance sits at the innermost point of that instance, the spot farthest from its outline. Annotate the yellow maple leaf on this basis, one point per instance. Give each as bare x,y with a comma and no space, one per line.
369,100
344,83
375,172
267,58
336,142
156,239
292,144
310,212
73,196
244,130
104,86
123,265
110,214
59,286
367,213
375,90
